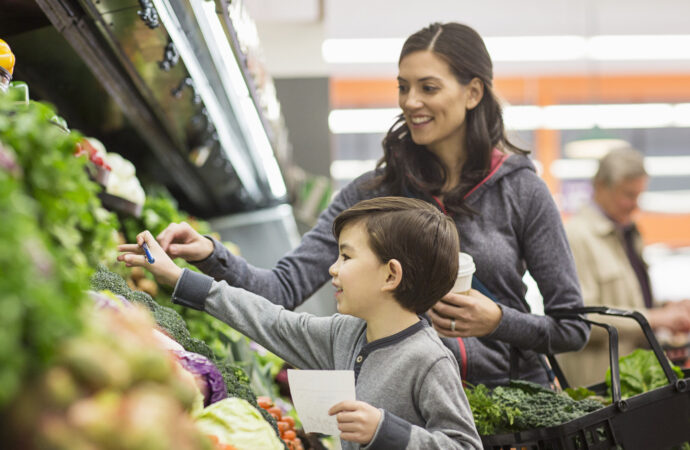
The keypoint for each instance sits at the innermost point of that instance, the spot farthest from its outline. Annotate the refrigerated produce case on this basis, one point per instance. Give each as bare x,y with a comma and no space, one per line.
162,82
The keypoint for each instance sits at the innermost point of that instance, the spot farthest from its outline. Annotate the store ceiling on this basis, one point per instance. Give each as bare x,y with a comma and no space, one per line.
291,33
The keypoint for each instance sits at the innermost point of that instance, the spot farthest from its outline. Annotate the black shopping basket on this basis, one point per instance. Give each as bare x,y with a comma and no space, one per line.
655,420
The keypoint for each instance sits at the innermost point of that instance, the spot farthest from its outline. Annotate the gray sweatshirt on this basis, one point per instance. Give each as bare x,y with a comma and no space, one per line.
411,376
517,228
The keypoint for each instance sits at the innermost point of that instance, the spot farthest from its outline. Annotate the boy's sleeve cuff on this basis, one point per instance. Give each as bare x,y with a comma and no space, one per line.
192,289
392,432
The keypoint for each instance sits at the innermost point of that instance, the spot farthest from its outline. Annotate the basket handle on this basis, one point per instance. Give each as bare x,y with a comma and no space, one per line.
576,313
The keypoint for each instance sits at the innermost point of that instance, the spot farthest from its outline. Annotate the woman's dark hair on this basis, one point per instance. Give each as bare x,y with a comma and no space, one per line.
419,236
408,166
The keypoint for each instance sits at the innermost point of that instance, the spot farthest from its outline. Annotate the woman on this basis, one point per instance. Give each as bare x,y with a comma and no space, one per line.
449,148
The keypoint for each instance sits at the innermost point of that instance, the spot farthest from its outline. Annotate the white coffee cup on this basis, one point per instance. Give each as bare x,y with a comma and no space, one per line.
466,269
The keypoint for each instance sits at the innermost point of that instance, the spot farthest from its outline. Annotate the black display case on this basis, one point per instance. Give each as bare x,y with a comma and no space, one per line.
162,82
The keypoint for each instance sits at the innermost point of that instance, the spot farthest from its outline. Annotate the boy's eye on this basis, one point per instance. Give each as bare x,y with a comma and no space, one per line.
344,256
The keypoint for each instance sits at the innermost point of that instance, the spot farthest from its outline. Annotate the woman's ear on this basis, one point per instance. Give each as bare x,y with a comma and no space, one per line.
393,275
475,93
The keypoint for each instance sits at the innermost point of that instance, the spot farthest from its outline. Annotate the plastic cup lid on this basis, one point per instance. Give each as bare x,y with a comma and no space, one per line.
466,266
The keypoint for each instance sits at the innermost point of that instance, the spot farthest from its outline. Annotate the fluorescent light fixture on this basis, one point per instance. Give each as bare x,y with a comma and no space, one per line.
565,117
536,48
349,169
238,93
352,121
345,51
657,166
522,117
527,48
201,84
670,202
639,47
529,117
574,169
667,166
682,115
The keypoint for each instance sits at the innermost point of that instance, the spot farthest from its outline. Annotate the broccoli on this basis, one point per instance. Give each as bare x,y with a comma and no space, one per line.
172,322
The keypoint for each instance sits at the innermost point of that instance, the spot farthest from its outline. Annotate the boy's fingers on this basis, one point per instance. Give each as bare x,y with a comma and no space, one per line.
335,409
133,260
132,248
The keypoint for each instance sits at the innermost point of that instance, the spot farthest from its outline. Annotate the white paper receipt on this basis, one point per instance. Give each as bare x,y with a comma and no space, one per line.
314,392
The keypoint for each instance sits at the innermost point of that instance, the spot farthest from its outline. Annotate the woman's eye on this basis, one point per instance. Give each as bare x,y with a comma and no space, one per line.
402,89
429,88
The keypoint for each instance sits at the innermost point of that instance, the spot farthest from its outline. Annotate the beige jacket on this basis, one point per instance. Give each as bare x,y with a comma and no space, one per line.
607,279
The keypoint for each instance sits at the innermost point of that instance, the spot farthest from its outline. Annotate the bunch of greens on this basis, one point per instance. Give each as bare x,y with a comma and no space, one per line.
160,210
68,208
640,372
489,415
52,229
523,405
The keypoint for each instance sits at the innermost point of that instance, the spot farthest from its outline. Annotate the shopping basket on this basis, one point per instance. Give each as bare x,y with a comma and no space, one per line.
655,420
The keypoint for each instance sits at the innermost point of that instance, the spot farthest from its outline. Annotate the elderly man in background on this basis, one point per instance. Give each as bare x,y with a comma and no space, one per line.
607,248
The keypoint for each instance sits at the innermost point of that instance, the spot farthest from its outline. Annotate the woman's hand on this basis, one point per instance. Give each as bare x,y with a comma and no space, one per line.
163,268
180,240
357,421
458,315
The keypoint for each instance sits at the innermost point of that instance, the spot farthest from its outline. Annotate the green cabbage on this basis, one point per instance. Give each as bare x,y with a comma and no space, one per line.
236,422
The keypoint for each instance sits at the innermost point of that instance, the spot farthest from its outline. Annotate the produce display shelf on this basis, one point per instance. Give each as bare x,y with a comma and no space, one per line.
655,420
120,205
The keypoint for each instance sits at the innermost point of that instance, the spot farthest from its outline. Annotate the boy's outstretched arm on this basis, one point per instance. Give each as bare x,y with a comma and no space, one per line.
163,269
303,340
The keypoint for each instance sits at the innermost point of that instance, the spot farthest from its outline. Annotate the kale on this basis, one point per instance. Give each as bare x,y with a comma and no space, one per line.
541,407
523,405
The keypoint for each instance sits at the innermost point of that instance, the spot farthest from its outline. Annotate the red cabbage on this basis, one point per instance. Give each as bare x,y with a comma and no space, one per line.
207,372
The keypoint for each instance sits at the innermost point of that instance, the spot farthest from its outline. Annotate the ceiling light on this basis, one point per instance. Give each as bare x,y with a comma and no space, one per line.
345,51
536,48
353,121
530,117
656,166
527,48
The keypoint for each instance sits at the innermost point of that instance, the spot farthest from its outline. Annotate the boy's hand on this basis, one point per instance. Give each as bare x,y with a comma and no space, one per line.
180,240
357,421
163,269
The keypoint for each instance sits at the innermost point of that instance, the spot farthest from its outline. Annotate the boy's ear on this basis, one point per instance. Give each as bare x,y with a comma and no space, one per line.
393,275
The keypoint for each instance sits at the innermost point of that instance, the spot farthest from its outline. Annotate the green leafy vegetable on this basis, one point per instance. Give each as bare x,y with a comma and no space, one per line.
489,415
523,405
53,230
640,372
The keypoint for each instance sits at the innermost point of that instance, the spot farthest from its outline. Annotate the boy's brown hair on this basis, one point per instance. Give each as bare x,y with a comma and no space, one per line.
420,237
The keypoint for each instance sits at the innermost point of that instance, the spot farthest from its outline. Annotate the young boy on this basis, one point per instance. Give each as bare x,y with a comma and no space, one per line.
397,258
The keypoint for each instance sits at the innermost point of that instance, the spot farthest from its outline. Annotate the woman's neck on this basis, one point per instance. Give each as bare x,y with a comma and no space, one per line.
452,156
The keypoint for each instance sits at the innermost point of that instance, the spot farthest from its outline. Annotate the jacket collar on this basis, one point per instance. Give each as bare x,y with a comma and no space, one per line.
601,224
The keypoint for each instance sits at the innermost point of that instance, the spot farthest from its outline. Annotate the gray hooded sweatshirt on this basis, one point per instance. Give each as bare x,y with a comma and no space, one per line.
517,228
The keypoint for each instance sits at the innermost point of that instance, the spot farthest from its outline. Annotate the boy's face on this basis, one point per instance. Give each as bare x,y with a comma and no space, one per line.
358,274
